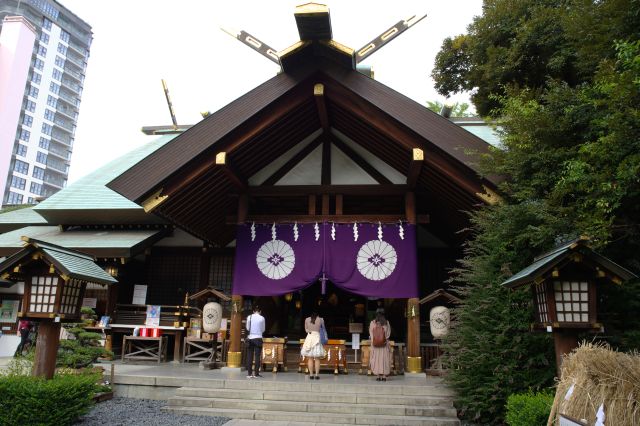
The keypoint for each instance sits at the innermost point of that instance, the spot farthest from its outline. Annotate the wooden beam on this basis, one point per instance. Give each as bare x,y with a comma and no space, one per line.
374,218
286,168
318,93
325,204
339,204
325,176
312,204
361,162
304,190
410,207
230,172
415,165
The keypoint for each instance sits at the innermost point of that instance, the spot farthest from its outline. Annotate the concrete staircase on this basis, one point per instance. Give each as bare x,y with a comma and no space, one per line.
371,402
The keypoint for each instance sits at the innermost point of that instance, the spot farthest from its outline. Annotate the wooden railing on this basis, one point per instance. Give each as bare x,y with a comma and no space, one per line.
431,358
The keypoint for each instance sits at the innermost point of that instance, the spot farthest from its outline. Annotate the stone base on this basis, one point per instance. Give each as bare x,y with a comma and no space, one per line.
232,369
414,375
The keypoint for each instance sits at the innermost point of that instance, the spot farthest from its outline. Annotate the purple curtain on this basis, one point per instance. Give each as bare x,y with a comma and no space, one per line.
368,259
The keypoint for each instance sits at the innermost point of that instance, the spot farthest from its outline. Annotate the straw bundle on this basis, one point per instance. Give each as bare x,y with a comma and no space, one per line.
599,376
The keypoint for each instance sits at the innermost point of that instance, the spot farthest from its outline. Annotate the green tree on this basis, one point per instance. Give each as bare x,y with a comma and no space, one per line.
458,109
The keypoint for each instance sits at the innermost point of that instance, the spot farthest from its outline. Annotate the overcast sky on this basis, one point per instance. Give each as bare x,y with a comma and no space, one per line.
138,43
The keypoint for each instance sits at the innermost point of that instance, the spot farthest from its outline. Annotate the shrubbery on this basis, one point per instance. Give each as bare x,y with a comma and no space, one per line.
529,409
28,400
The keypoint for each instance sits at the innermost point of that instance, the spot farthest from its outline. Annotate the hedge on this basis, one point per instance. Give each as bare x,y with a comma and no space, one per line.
529,409
28,400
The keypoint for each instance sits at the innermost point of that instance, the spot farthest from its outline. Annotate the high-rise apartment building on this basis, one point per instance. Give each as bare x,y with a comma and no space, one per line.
44,50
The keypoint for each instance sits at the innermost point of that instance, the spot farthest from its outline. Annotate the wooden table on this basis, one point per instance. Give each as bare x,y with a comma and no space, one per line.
197,349
177,332
365,346
274,352
335,359
144,348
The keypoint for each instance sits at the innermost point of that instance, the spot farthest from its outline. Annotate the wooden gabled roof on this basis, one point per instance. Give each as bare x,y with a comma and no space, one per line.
194,180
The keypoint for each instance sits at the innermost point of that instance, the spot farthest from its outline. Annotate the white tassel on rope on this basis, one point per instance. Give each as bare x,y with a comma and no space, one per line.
401,231
379,231
253,231
273,231
355,231
333,231
295,231
316,229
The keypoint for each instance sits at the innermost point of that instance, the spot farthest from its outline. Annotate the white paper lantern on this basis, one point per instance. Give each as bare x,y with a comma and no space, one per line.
439,320
211,317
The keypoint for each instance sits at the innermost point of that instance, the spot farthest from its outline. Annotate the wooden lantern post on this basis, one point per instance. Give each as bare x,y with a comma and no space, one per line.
564,285
55,279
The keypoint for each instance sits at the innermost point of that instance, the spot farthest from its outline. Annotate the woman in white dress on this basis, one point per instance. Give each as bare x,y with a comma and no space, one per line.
312,349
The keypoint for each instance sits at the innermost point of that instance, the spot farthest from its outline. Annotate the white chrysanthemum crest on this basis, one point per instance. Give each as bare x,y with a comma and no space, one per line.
273,231
379,231
333,231
401,231
253,231
295,231
316,229
355,231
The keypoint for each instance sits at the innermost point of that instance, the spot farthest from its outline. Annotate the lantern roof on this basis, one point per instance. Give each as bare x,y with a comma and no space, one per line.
560,256
208,292
68,263
440,294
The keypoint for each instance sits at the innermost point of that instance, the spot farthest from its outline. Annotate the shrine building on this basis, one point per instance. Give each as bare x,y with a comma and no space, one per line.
321,189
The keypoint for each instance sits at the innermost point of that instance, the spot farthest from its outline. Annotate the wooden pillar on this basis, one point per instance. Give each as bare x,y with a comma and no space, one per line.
234,357
414,361
46,349
564,341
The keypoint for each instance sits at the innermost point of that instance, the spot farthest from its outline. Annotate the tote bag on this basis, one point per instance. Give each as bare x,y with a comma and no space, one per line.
323,335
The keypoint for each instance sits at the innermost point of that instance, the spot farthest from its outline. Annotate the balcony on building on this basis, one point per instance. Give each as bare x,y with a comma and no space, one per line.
64,139
67,111
71,85
68,98
70,71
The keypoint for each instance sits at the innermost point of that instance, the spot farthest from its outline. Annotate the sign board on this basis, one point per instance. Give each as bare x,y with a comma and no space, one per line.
153,316
139,294
355,341
89,302
355,327
9,310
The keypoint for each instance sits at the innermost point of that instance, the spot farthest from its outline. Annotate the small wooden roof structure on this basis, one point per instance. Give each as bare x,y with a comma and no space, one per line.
440,294
318,103
208,292
565,254
67,263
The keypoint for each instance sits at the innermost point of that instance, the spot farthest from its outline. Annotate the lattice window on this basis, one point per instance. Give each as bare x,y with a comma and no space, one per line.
541,302
572,301
170,276
221,272
43,294
70,297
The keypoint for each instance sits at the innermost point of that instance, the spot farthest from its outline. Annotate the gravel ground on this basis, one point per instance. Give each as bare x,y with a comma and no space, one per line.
128,411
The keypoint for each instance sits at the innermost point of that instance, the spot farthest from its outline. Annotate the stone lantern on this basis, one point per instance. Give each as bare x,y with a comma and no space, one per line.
564,285
55,279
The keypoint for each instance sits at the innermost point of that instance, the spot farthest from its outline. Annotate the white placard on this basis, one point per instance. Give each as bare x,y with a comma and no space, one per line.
89,302
9,310
139,294
355,341
223,324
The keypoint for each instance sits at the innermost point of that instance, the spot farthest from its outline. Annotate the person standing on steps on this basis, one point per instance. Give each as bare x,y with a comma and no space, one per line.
380,356
255,328
312,348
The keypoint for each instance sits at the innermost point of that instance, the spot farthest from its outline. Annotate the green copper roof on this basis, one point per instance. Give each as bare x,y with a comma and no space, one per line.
18,218
67,262
90,194
547,261
97,242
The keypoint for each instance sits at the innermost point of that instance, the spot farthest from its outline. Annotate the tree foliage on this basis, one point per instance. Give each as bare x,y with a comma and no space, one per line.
562,78
530,43
458,109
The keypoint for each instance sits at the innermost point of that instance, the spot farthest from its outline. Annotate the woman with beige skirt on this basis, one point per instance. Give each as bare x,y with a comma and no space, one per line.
312,349
380,355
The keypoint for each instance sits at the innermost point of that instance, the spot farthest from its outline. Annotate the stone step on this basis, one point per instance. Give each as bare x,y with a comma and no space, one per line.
318,418
355,398
313,407
374,388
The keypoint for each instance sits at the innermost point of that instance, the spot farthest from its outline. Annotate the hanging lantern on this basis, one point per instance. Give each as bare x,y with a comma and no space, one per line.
439,321
211,317
288,297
